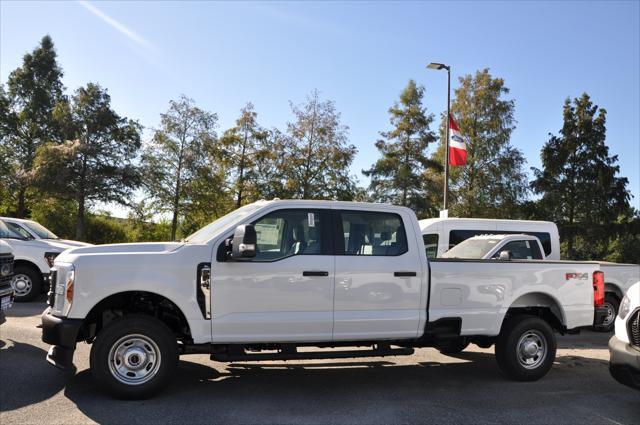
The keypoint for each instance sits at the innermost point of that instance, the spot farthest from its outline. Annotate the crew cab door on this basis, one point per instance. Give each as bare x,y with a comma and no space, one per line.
284,293
379,276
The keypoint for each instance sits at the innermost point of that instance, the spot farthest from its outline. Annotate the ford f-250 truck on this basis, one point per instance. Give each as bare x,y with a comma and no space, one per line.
274,276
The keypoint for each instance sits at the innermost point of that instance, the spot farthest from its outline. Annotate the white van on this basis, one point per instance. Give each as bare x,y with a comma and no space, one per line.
442,234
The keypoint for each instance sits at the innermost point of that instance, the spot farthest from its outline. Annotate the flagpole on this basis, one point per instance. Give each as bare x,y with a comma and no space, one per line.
439,66
446,156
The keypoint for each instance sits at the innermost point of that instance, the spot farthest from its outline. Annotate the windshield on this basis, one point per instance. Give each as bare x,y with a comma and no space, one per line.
471,248
209,231
5,232
40,230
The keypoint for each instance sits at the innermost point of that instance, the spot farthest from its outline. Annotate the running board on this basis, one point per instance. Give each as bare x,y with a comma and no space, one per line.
310,355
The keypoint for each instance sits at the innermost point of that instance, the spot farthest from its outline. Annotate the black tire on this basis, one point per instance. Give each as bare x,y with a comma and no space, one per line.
454,347
612,303
27,283
516,334
155,337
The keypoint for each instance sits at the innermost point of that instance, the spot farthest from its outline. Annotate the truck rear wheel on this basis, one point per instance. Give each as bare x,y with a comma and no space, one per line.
134,356
526,348
612,304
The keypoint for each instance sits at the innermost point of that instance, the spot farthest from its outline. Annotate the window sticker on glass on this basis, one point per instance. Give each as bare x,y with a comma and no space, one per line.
312,219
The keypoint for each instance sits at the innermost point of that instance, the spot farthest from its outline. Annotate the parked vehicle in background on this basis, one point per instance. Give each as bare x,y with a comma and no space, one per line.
624,346
498,247
33,258
442,234
275,276
34,230
6,275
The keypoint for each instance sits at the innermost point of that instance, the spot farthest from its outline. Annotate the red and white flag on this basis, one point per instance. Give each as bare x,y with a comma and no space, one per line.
457,145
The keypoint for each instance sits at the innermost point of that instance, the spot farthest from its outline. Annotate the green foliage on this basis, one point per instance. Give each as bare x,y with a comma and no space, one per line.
317,154
181,164
400,175
97,163
578,182
493,184
242,145
27,122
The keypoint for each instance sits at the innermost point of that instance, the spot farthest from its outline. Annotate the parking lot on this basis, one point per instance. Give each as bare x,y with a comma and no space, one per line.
425,387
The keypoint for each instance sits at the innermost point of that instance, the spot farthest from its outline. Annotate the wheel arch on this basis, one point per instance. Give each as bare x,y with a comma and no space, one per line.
539,304
135,302
612,288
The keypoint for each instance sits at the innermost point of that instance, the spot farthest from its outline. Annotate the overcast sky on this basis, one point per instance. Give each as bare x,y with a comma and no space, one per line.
359,54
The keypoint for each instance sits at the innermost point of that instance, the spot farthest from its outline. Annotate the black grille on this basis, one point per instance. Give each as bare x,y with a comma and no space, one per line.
53,279
6,280
634,328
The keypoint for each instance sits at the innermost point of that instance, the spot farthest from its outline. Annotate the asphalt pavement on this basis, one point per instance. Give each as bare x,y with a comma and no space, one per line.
427,387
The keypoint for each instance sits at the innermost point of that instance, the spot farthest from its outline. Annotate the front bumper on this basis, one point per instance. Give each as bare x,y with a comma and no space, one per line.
624,363
3,293
61,333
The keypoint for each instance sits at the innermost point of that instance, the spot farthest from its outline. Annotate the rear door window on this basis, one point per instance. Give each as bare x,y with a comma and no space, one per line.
372,234
431,244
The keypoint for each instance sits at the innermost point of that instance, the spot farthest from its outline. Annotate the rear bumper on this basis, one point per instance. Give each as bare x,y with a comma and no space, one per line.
624,363
61,333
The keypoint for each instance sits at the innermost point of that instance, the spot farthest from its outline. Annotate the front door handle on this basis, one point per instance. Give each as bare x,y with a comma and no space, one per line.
405,274
314,273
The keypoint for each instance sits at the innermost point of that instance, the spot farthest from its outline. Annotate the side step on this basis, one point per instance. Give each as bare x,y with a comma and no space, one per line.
310,355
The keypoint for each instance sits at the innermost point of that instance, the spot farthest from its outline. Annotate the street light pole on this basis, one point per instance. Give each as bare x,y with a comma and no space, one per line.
438,66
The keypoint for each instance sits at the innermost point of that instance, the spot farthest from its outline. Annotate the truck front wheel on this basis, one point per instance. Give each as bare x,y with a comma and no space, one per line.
134,356
526,348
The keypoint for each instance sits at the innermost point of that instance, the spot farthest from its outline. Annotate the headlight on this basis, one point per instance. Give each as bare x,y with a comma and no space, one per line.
6,270
64,286
50,257
625,306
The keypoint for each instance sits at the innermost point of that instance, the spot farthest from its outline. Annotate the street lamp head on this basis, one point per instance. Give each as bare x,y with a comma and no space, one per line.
438,66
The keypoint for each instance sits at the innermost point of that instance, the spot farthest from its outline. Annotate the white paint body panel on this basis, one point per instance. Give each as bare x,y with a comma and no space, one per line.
620,276
633,293
360,299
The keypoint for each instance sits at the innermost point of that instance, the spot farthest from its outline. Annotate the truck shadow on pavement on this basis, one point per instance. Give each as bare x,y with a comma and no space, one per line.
352,391
22,366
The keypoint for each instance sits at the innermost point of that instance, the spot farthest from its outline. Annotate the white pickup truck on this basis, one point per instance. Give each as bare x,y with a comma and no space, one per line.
34,248
6,275
274,276
618,277
443,234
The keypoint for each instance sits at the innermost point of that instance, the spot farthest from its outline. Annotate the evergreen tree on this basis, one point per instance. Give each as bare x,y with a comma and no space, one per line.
96,165
493,183
398,176
27,121
578,182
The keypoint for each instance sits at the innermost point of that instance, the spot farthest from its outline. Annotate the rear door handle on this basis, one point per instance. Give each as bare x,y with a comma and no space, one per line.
314,273
404,274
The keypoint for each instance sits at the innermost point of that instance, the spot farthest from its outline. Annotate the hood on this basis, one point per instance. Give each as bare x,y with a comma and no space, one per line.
71,244
5,248
120,248
46,245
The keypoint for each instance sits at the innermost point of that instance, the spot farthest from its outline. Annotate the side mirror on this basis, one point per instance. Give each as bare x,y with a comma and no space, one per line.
505,255
244,242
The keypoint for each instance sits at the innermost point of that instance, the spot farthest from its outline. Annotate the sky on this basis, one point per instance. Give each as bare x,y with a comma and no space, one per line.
358,54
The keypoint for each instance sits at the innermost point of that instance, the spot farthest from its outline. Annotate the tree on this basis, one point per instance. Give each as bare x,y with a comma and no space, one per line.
27,120
96,164
399,175
179,163
318,154
578,182
493,183
242,144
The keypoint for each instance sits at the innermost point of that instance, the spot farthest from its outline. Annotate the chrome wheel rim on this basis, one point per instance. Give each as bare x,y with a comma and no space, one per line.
611,314
134,359
22,285
531,349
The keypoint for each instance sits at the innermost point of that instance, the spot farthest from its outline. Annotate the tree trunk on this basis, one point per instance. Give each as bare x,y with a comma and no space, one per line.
80,219
20,212
241,176
176,203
